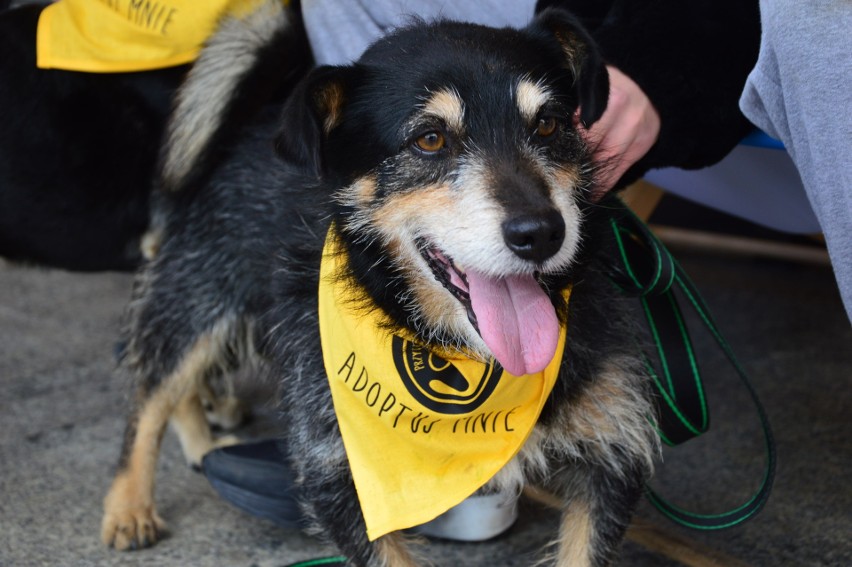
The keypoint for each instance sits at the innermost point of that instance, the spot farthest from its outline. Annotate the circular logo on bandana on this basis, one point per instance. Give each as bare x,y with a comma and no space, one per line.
438,384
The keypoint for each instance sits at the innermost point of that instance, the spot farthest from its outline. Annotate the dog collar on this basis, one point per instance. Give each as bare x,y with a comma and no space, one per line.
122,35
422,432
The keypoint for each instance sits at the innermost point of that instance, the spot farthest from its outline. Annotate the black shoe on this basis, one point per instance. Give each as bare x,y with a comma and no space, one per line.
255,478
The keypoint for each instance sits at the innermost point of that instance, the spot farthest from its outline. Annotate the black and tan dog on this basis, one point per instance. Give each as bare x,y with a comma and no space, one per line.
435,193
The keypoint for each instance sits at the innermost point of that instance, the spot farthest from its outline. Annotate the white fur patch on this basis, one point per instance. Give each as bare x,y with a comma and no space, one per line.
530,97
448,106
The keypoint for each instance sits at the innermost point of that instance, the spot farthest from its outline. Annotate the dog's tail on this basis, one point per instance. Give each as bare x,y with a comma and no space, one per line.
248,61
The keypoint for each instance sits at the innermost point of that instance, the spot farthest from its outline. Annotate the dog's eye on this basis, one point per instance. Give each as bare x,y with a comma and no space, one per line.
546,126
430,142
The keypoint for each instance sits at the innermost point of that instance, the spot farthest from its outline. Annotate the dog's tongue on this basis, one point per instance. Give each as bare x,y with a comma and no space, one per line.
516,320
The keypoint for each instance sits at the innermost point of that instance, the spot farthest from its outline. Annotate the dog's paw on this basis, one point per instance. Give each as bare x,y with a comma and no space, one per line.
131,529
130,520
226,441
226,412
150,243
194,452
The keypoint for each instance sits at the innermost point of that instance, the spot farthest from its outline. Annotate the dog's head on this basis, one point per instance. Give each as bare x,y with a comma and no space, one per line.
459,175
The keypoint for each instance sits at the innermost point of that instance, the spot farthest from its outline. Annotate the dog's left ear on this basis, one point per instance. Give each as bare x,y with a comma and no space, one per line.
583,58
313,110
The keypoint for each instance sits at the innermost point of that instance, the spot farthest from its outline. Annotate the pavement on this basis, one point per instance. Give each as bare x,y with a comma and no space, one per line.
61,421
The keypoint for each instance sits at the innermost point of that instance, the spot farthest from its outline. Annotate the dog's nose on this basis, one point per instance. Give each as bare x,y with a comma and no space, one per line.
534,237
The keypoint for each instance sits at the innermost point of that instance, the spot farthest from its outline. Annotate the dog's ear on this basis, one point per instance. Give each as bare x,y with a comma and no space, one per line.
311,113
583,58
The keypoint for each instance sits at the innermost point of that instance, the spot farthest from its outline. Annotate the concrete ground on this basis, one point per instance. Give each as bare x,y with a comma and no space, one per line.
61,420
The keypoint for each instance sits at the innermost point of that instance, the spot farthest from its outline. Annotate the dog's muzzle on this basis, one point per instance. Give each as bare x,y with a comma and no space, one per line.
513,314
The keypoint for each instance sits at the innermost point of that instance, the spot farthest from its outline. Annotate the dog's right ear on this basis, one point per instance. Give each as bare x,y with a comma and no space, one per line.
591,79
311,113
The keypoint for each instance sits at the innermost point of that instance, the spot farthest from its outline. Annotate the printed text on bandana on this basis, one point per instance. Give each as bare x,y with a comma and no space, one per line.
387,405
152,16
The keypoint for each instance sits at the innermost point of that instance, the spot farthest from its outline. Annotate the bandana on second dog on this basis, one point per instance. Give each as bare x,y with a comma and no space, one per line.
108,36
422,431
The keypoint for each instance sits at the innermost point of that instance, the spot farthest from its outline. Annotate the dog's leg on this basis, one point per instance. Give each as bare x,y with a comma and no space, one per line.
223,409
599,505
575,536
343,521
331,504
193,430
130,519
391,551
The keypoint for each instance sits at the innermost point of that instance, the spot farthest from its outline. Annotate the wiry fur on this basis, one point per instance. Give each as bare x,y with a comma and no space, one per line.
206,101
239,269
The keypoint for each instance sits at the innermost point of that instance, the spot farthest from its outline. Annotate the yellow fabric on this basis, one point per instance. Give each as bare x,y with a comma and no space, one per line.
413,460
107,36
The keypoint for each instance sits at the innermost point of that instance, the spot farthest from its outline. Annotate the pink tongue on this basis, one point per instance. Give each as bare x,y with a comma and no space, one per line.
516,320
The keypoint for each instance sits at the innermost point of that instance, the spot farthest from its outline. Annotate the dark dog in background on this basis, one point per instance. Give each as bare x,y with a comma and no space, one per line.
448,153
77,155
78,151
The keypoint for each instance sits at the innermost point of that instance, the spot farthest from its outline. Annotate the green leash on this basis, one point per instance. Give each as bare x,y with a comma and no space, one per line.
649,271
323,561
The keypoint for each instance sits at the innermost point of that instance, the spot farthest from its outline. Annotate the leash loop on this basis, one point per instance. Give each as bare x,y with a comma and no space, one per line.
645,269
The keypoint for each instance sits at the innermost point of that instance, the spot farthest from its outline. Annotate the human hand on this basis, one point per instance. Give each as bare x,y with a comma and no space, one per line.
624,134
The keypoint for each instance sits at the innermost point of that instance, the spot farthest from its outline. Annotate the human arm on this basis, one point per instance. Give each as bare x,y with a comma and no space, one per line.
625,132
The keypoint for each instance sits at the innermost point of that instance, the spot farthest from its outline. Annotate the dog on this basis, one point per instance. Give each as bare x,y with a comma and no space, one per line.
436,193
80,150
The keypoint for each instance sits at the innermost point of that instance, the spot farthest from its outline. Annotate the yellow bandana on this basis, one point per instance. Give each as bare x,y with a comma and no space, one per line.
421,432
107,36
